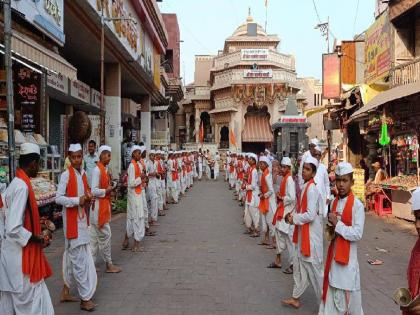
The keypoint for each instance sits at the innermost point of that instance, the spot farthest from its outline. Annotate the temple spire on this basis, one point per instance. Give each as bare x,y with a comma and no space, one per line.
249,19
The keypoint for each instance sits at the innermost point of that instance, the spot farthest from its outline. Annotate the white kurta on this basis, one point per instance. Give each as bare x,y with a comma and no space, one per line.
309,269
135,210
19,296
301,182
253,209
152,190
100,238
267,219
344,278
78,264
323,185
216,166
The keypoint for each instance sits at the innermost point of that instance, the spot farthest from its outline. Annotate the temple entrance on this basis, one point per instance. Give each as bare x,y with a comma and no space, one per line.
224,138
205,120
191,129
257,135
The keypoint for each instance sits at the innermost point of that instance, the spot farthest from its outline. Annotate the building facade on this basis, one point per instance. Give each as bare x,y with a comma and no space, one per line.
238,94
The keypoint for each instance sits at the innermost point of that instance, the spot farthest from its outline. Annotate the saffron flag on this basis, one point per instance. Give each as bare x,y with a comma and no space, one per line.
201,132
232,138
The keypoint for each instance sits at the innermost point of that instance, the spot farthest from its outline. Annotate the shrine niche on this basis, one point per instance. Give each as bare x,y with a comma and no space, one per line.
259,94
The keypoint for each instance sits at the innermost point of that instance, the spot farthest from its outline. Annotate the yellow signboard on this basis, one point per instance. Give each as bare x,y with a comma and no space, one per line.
378,47
359,183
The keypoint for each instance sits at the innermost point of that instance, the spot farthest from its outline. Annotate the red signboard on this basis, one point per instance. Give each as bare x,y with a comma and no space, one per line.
331,83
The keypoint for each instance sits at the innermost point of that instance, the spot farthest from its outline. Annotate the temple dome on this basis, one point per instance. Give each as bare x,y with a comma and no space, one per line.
242,29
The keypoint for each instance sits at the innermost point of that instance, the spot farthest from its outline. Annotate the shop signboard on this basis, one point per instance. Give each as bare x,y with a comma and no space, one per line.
359,183
58,82
331,82
127,31
95,98
45,15
378,49
80,91
27,95
258,73
293,119
254,54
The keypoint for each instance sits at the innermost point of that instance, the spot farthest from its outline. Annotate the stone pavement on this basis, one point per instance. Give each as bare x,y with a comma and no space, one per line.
201,263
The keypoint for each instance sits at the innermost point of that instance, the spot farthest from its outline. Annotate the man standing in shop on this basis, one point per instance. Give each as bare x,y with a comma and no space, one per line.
74,195
22,287
90,160
100,215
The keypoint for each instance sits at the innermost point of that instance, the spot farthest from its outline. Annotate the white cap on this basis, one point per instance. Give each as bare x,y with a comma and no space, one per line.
343,168
28,148
314,141
254,156
103,148
265,159
135,148
286,161
266,150
75,147
143,148
317,148
415,200
152,152
310,159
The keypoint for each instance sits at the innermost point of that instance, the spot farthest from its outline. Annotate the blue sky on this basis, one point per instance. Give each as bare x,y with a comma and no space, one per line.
204,25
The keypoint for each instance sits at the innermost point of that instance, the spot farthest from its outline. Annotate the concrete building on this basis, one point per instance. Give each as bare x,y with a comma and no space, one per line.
238,94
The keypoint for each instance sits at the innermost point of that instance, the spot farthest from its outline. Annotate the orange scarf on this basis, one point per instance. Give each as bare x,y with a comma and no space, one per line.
174,170
264,202
341,245
104,215
280,208
137,174
249,192
34,263
72,213
159,167
240,175
306,243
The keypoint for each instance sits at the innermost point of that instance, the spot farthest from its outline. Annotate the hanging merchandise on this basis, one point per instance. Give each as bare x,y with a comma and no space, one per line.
384,138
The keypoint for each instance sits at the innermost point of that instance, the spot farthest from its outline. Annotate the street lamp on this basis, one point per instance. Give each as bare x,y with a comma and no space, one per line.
102,103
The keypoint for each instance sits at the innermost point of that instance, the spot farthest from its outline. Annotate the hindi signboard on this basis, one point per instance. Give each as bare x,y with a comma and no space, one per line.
254,54
258,73
359,183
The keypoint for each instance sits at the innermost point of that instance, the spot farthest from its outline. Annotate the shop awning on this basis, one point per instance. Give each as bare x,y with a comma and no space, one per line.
257,129
388,96
162,108
26,48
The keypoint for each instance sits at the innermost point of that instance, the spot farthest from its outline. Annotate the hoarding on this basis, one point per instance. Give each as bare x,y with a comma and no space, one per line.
378,49
45,15
331,83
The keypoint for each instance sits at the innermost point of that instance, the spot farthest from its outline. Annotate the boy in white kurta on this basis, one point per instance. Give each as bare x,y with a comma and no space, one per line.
73,193
341,290
252,194
267,204
135,227
308,237
100,215
152,189
22,287
322,182
286,196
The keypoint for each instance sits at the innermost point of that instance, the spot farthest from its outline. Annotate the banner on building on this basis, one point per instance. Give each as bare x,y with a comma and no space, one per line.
254,54
45,15
258,73
378,49
331,81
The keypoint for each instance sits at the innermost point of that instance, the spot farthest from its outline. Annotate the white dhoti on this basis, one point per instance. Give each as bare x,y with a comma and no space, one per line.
284,243
200,171
340,302
154,200
34,299
100,241
255,215
305,273
145,209
247,217
79,268
135,228
160,196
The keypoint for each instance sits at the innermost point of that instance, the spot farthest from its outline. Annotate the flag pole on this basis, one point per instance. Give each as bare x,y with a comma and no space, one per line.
266,14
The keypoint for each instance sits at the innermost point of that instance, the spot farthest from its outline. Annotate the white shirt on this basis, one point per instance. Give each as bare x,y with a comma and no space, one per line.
289,202
301,182
314,219
15,237
254,186
69,202
322,181
347,277
134,201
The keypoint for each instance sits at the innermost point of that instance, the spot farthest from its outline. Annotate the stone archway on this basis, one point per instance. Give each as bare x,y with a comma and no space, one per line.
191,128
224,137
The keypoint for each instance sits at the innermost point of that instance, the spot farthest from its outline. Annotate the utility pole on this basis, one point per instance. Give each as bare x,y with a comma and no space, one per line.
7,8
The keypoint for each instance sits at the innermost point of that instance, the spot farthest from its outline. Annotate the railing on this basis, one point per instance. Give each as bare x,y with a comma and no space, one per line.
160,137
406,73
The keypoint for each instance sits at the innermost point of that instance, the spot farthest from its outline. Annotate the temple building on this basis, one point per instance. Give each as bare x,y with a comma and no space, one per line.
240,93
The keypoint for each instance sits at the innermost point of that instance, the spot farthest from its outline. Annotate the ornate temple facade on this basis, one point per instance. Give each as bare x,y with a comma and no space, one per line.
240,93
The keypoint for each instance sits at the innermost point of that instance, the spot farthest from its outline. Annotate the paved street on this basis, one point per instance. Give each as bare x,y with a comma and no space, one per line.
201,263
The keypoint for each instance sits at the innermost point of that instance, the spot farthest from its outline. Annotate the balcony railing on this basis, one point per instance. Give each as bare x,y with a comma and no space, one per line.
160,137
406,73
